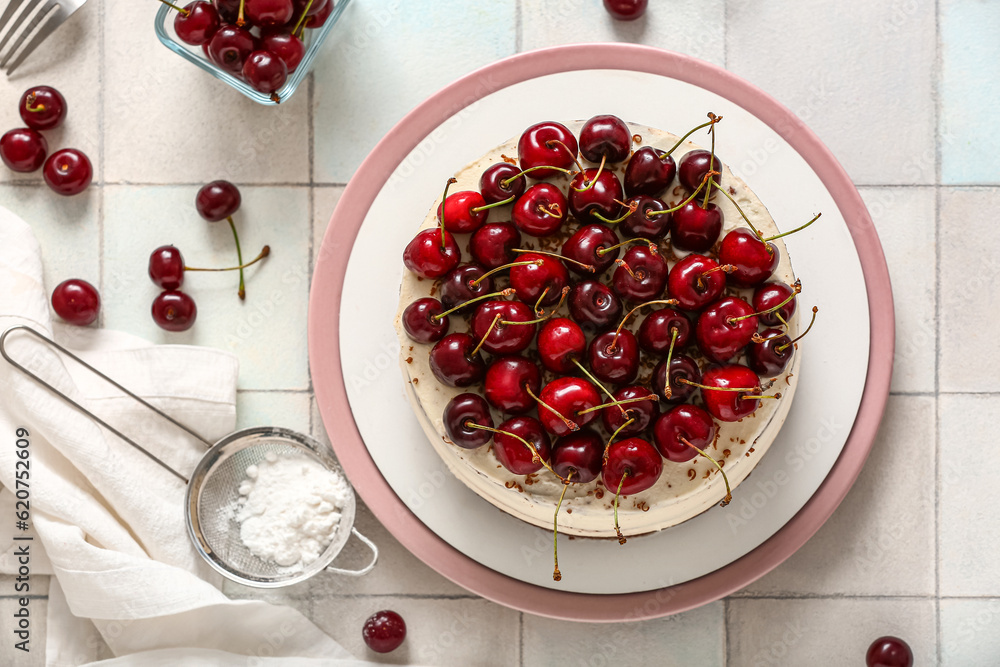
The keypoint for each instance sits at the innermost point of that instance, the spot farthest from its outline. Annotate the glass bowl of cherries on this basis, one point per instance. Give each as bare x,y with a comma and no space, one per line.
262,48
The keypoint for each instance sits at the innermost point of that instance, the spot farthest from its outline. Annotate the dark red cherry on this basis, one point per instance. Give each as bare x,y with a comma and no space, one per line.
318,20
265,72
612,358
458,286
229,10
504,338
197,23
548,144
310,8
644,276
23,149
641,224
560,341
767,359
744,250
174,311
459,214
384,630
605,136
230,47
42,108
730,406
217,200
889,652
642,412
770,295
498,183
426,256
695,228
166,267
463,409
626,10
695,281
587,245
694,165
76,301
578,456
285,45
508,381
656,331
543,280
720,332
637,457
683,421
567,396
492,243
511,452
591,302
267,13
680,366
453,363
649,172
420,324
540,211
68,172
594,196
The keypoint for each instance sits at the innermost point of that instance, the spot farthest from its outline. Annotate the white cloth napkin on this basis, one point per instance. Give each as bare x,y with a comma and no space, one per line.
107,521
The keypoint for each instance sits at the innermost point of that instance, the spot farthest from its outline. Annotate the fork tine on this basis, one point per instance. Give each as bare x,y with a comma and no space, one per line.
52,21
7,14
16,24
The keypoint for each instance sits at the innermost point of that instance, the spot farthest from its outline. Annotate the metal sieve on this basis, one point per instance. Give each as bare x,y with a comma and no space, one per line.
212,491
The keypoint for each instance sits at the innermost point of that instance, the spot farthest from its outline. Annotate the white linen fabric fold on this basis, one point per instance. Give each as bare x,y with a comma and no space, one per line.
107,521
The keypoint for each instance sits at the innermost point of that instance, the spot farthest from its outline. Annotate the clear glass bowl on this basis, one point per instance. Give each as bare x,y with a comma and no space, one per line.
313,41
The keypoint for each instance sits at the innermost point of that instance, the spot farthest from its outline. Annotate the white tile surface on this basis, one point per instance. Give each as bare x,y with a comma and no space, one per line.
970,632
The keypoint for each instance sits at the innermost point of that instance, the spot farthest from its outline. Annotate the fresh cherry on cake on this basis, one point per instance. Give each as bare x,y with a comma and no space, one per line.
889,651
384,630
725,327
683,421
460,212
23,149
728,390
656,331
460,285
265,72
42,108
641,275
268,13
649,172
560,341
642,225
678,367
696,281
455,361
592,302
491,324
420,323
491,244
461,410
541,281
605,137
510,383
578,456
771,295
76,301
427,257
285,45
500,182
196,22
511,452
230,47
626,10
595,195
540,211
641,412
592,245
546,144
174,310
632,463
770,356
754,260
694,165
561,401
614,356
68,172
695,228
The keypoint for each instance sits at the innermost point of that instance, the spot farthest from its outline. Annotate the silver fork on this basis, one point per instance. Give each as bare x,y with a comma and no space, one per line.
45,16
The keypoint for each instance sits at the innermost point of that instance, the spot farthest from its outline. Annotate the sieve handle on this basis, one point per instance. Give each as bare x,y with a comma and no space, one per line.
367,568
57,346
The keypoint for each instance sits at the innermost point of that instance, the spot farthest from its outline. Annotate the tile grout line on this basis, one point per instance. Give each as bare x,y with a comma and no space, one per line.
936,97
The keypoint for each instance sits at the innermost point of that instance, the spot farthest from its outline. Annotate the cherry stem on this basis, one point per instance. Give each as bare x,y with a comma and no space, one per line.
556,574
239,257
588,184
441,210
744,389
485,335
552,210
622,263
29,102
533,262
618,493
794,341
725,268
797,229
597,382
712,120
548,144
687,201
796,288
745,218
507,292
608,221
505,183
302,19
493,205
263,253
541,318
240,21
624,401
538,304
585,267
618,331
604,251
729,491
535,456
570,424
667,391
168,4
604,458
711,165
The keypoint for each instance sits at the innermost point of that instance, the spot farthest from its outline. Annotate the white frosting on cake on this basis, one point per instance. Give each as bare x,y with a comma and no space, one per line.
683,490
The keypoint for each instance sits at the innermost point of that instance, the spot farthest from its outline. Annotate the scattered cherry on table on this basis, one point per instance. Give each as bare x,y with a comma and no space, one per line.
76,301
68,172
384,631
626,10
23,149
42,108
889,651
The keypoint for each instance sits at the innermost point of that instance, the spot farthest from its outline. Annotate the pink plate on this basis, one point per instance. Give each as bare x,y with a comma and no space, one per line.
327,370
